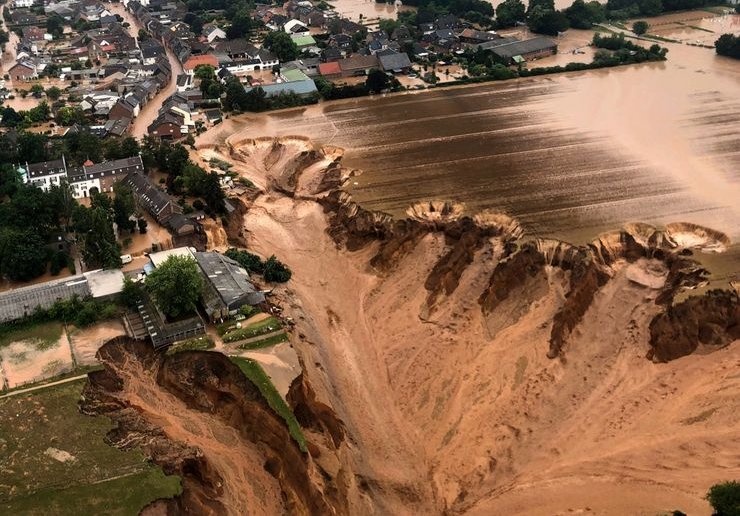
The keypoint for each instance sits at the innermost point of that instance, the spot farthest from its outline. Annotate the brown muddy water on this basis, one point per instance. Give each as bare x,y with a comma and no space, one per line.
569,156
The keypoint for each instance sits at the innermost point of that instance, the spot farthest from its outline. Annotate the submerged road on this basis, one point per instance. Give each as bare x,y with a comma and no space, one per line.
151,110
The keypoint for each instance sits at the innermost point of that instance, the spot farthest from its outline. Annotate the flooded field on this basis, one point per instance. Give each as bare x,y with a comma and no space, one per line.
568,155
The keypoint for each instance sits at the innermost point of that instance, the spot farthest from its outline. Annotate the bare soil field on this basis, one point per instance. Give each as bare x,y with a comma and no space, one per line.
32,359
85,342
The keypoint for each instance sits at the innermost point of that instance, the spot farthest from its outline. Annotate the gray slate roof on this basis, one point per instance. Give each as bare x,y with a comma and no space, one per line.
228,278
397,61
520,48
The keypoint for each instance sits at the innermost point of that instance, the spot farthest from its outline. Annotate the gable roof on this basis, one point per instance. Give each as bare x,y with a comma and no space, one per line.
508,50
332,68
358,62
151,197
397,61
194,61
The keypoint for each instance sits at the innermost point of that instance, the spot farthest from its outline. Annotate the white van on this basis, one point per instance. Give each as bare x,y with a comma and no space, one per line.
126,258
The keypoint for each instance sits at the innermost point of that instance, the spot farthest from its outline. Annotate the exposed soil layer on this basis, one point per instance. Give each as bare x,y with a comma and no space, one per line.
429,338
456,365
197,415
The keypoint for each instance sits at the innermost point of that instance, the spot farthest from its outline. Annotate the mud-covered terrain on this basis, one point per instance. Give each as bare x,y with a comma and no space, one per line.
451,364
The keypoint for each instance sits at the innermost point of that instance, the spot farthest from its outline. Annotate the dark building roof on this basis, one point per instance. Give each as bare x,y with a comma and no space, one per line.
397,61
117,166
46,168
507,50
151,197
358,62
20,302
228,280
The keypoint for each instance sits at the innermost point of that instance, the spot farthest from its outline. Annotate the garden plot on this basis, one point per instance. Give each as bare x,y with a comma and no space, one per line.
86,341
34,354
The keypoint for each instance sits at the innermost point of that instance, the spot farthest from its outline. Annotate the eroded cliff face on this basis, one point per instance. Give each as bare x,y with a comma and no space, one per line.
707,323
428,343
198,406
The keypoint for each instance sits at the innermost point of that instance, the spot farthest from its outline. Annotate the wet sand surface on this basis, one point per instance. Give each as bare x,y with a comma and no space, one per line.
568,155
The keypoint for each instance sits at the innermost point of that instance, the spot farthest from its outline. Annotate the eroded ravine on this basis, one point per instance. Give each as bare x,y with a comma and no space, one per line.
473,369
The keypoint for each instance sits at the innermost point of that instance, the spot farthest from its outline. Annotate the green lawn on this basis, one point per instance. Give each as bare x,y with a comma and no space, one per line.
119,496
254,372
253,330
266,342
44,335
201,343
96,478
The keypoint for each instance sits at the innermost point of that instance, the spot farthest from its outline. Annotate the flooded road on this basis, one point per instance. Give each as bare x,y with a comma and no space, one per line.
149,112
568,155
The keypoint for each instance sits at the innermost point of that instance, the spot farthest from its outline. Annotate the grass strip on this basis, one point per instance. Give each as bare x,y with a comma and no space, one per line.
255,374
266,342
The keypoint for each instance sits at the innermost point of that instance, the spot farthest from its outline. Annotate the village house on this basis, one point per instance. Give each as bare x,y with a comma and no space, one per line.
23,71
397,62
357,64
510,52
195,61
213,32
82,180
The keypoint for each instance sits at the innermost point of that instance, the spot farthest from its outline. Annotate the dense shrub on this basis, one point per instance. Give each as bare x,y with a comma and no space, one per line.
725,498
272,269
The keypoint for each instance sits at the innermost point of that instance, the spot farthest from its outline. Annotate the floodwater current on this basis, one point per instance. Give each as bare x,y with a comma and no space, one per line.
568,155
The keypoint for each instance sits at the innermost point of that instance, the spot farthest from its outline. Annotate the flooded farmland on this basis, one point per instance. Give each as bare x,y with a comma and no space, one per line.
568,155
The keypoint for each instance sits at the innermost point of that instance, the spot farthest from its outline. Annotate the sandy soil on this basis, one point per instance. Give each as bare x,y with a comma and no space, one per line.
280,362
86,341
23,363
240,464
451,411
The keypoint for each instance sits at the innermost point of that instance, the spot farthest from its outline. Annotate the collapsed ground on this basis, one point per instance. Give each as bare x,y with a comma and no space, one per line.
426,385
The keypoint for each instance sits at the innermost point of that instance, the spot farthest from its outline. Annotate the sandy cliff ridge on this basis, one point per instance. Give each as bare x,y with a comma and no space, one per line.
452,364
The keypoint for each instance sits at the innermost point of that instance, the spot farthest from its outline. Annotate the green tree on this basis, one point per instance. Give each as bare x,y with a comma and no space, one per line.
251,262
387,25
209,84
70,115
176,285
142,35
195,22
37,90
132,293
727,45
23,254
241,25
123,207
55,25
54,93
377,81
335,26
129,147
640,27
10,117
547,5
281,44
94,228
509,12
650,7
725,498
275,271
582,15
142,225
544,21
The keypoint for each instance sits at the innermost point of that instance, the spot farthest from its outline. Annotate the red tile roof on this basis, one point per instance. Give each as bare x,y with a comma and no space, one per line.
330,68
195,61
